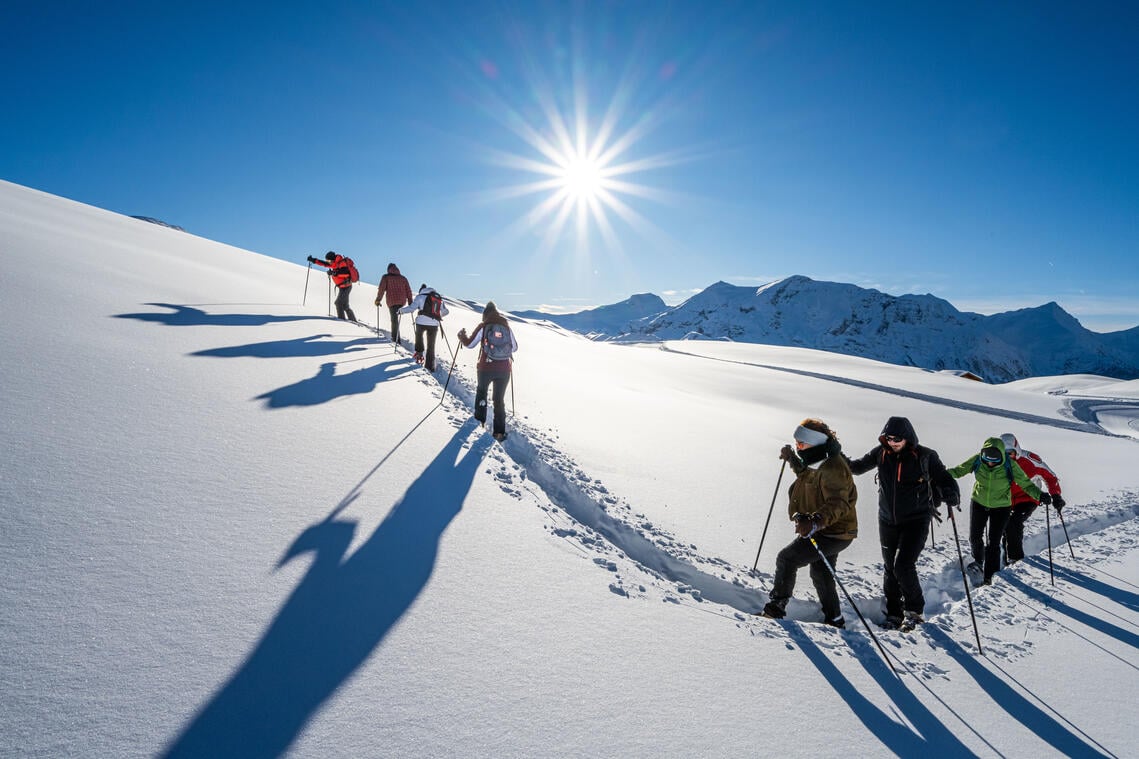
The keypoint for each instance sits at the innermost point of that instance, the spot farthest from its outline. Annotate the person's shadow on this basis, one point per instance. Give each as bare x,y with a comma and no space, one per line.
327,385
188,316
340,612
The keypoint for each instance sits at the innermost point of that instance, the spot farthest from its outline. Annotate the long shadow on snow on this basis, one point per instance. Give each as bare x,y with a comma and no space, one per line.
311,346
1019,416
336,617
1046,727
928,735
1054,604
188,316
1126,598
326,384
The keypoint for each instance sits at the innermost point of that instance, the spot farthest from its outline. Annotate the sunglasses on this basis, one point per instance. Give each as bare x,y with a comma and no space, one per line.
893,439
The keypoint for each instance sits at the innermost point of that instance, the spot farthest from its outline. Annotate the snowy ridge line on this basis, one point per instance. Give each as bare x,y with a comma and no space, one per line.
1087,426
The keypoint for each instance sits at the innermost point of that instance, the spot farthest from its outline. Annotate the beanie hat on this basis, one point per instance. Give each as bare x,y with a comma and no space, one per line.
1011,445
330,255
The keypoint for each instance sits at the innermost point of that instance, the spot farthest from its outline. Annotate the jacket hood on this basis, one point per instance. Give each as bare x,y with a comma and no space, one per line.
996,442
1012,447
393,269
899,426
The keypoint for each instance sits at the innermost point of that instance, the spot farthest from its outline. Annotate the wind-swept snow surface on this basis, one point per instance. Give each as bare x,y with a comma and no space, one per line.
236,527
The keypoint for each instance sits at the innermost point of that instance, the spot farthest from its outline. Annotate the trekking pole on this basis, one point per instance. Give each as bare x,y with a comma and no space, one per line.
768,522
873,637
330,296
1048,530
305,298
932,537
453,357
964,578
1064,524
377,318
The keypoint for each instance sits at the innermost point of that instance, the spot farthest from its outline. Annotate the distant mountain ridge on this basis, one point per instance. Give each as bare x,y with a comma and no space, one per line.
911,330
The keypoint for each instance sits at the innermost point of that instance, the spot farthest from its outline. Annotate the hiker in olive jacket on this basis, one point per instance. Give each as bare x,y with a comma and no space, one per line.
994,474
912,481
822,505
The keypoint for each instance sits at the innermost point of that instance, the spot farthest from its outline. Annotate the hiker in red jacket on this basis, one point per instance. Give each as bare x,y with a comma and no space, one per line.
1022,503
341,273
398,289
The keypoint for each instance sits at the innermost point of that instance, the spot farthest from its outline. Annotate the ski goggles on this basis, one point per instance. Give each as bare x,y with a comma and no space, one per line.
991,456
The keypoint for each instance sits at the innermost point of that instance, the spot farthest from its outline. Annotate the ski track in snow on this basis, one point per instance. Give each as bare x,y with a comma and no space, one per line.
635,555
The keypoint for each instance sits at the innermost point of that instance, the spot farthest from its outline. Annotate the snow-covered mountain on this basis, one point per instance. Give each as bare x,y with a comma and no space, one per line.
910,330
615,319
234,527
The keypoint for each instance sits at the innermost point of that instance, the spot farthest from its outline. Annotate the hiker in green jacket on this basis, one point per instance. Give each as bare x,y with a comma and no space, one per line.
994,474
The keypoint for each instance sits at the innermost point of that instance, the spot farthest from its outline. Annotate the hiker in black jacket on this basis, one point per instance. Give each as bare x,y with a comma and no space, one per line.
912,481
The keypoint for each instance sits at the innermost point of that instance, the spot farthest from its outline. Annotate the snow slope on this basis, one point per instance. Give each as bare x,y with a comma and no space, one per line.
235,527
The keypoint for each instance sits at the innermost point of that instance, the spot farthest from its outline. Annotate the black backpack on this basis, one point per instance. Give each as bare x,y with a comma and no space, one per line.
432,306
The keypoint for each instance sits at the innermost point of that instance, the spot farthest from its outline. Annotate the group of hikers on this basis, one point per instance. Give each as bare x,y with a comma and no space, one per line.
493,336
912,484
912,480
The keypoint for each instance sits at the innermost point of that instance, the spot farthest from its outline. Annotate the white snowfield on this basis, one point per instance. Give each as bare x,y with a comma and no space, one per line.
236,527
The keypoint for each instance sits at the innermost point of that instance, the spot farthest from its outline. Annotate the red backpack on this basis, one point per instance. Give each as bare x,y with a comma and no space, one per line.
352,273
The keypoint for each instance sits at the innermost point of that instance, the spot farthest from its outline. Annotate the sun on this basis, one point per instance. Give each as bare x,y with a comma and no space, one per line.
583,179
579,168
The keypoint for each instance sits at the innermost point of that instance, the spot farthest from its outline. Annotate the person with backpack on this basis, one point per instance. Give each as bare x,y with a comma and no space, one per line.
497,345
1022,504
430,310
912,481
822,505
344,274
398,289
991,506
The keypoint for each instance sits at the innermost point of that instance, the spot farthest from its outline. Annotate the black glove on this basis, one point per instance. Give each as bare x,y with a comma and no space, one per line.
1045,499
807,524
311,260
1058,502
936,514
462,334
787,453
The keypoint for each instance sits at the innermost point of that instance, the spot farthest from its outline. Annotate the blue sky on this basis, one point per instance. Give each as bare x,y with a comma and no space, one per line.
984,152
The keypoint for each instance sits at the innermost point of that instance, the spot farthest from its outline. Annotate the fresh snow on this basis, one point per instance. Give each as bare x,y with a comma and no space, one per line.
236,527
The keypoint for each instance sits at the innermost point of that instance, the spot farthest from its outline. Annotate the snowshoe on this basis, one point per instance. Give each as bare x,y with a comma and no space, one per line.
912,620
891,623
773,611
975,573
838,622
499,436
418,357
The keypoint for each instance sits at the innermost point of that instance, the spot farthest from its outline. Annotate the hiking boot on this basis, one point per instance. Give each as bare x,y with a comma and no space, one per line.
912,620
774,610
418,357
892,623
499,436
838,622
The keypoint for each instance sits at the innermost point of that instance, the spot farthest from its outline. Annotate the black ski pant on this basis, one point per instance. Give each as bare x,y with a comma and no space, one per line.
901,546
343,310
499,380
394,311
800,553
430,332
1014,531
987,548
